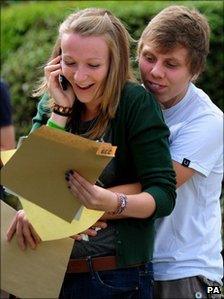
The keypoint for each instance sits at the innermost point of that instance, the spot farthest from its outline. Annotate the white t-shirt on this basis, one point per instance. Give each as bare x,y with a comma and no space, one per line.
188,242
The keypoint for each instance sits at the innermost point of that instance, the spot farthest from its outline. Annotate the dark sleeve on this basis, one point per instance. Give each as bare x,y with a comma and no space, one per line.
5,106
43,113
148,141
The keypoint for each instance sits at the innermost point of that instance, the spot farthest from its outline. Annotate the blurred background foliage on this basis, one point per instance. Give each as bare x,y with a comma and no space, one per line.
29,28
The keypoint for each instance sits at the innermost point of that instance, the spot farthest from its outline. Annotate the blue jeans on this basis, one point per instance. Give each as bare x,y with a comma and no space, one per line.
128,283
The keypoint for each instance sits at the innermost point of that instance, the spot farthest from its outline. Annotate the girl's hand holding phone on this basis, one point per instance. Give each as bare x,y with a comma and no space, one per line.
62,97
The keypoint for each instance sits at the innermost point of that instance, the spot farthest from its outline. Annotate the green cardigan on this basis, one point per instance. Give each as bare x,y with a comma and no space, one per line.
142,155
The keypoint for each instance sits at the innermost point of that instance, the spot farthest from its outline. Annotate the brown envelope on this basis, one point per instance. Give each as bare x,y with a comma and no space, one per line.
37,169
32,273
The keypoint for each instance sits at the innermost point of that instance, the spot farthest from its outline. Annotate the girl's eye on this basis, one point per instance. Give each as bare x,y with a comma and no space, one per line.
94,65
69,63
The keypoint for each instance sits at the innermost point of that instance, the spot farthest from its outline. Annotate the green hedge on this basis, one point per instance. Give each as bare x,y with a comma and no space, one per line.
29,29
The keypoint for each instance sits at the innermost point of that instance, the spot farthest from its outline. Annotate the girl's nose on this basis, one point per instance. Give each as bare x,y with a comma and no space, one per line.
80,75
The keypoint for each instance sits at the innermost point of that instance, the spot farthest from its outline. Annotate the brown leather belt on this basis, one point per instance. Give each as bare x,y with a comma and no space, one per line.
102,263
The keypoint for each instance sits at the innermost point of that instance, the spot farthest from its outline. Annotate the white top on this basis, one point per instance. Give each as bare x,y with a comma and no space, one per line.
188,242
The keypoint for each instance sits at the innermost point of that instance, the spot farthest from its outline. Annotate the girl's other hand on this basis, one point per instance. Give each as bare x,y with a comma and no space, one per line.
24,232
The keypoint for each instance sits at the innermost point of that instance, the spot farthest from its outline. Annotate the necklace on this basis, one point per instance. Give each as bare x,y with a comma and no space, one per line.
86,126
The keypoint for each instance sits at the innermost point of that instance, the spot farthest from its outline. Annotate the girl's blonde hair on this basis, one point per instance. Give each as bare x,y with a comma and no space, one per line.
100,22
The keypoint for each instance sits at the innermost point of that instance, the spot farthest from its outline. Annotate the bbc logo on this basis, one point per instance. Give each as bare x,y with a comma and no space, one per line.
214,290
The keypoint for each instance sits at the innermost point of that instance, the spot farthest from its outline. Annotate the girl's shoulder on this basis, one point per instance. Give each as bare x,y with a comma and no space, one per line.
133,89
134,94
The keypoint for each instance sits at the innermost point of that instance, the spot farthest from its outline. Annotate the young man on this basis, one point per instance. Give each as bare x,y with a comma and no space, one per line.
172,52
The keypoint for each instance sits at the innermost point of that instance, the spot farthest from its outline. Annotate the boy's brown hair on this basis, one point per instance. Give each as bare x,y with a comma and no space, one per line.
179,25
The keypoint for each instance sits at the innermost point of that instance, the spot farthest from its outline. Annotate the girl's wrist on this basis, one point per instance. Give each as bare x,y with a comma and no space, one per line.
62,110
54,125
58,120
121,204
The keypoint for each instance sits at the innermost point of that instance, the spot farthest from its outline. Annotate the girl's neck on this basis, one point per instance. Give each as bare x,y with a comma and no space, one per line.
89,113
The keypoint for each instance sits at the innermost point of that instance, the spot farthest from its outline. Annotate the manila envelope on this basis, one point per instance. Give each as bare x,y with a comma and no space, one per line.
37,169
31,273
49,226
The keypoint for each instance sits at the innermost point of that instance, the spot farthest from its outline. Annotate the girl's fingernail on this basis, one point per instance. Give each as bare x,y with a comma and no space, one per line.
67,177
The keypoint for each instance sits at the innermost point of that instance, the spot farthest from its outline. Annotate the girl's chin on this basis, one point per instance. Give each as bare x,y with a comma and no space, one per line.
84,101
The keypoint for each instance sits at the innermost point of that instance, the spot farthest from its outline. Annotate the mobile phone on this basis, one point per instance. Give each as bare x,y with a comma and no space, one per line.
63,82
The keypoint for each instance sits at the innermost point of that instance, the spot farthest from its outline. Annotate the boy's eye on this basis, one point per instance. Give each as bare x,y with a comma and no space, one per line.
149,58
171,65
